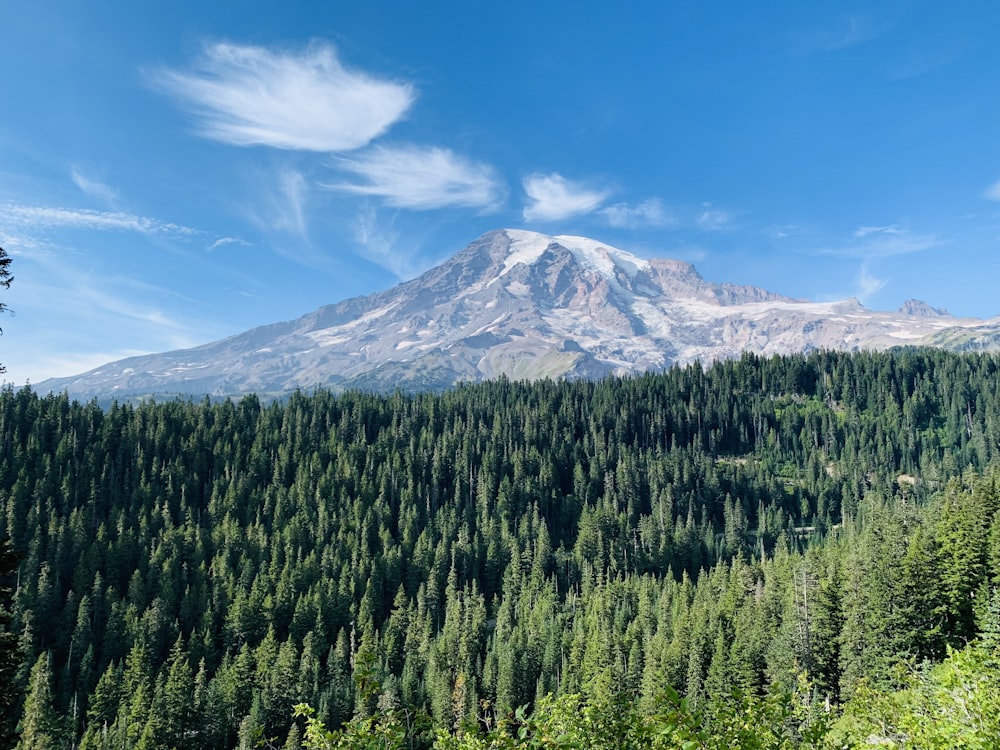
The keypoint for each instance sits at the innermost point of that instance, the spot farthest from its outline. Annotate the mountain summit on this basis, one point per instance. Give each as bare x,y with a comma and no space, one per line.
524,305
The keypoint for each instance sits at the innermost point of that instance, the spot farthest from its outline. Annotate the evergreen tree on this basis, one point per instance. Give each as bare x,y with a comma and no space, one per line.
10,656
464,554
5,281
41,727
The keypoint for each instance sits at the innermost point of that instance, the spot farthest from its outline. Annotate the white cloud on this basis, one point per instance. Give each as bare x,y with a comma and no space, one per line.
648,213
993,191
223,241
888,230
867,284
137,310
886,241
711,218
553,197
289,203
51,217
82,318
22,244
32,225
781,231
380,244
421,178
93,188
249,96
278,199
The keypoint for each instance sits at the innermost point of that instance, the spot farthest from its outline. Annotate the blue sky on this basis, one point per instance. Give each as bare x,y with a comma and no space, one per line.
173,173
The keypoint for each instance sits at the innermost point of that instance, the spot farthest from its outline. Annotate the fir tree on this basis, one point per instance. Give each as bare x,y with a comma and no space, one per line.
40,728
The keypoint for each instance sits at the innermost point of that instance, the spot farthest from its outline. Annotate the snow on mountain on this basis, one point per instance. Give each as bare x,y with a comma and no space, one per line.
524,305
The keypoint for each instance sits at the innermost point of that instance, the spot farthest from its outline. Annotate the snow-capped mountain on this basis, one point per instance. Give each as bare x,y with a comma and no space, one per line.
528,306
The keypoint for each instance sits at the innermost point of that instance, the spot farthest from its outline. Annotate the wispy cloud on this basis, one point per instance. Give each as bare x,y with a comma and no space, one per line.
854,30
993,192
67,284
306,100
380,244
91,317
289,202
93,188
846,32
649,212
922,62
41,218
278,198
867,284
890,230
29,230
711,218
421,178
21,243
224,241
120,306
781,231
552,197
885,242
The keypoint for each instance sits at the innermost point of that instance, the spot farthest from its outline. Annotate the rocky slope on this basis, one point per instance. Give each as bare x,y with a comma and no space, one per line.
525,305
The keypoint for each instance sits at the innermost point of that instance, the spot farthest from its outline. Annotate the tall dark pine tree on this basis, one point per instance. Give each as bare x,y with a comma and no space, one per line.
10,657
5,279
40,727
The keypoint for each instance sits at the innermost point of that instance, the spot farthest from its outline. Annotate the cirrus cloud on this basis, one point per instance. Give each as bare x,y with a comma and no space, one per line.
421,178
649,212
253,96
886,241
711,218
224,241
867,284
53,217
93,188
553,197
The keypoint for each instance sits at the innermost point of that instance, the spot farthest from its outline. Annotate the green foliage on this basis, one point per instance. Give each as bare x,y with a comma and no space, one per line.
10,656
571,722
413,563
5,281
369,733
41,727
955,704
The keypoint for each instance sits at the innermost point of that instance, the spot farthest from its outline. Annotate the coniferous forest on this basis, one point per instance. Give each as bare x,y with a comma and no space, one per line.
766,553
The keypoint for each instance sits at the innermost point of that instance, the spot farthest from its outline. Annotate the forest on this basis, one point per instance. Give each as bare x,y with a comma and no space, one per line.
781,552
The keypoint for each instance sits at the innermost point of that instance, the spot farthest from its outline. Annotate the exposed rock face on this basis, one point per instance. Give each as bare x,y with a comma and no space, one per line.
919,308
528,306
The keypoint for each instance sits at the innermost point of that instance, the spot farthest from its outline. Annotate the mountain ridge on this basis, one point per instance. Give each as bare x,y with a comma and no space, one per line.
525,305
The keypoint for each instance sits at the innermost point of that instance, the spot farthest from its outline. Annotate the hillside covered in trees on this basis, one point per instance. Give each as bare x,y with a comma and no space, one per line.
803,549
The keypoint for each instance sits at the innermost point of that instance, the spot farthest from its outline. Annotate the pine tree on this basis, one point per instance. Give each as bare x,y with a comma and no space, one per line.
41,728
10,656
178,700
105,699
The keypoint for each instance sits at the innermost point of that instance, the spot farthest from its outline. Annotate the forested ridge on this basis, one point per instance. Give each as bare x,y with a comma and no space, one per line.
801,537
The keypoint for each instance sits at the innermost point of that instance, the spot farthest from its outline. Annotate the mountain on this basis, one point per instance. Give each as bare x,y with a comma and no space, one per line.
527,306
921,309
